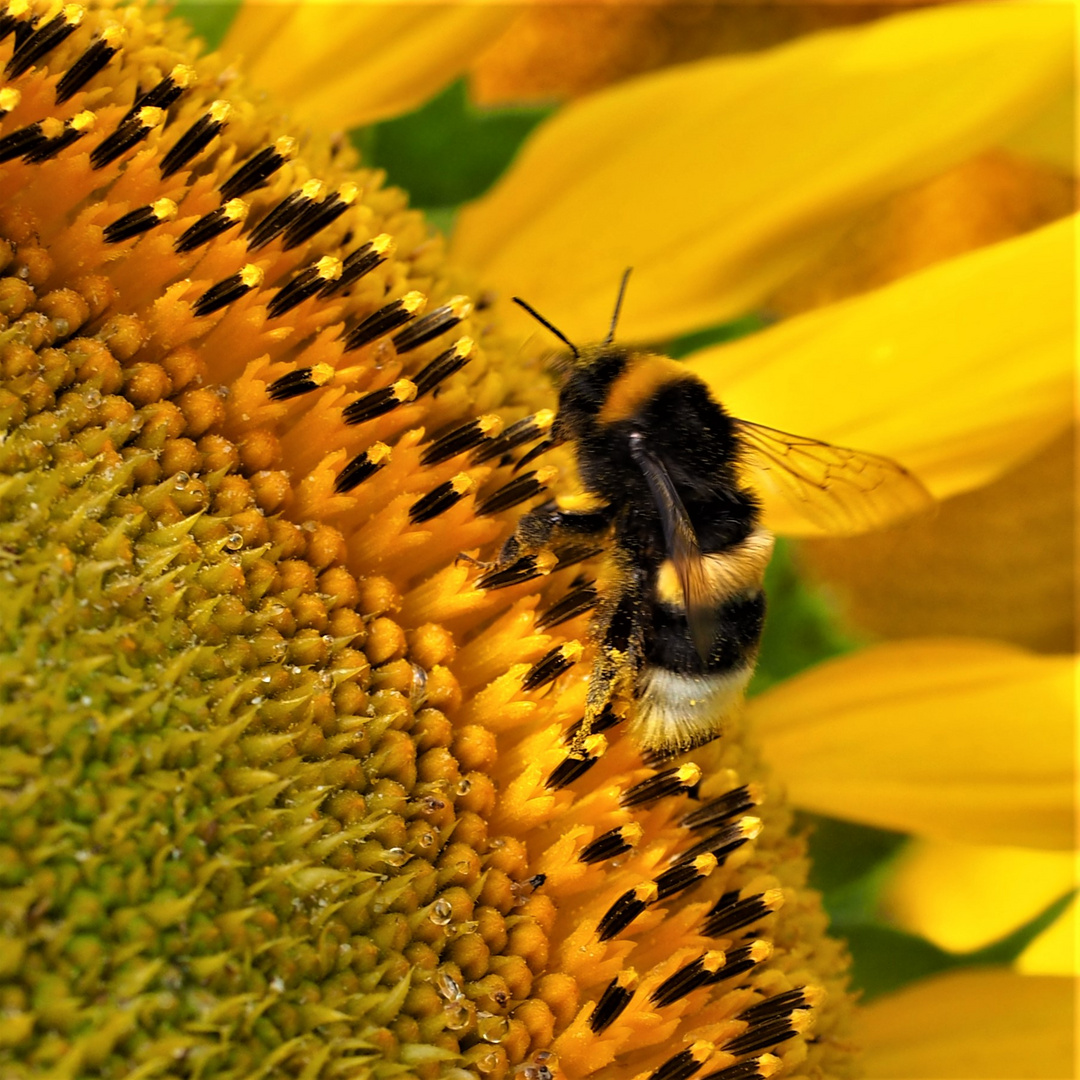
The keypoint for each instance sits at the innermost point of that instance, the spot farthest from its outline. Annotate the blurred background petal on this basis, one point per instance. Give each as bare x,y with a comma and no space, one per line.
718,179
960,740
342,63
972,1025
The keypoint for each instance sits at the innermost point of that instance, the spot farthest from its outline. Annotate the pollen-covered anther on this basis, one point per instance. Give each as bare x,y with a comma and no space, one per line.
436,322
212,225
736,801
10,96
460,439
685,1063
197,138
613,1001
682,876
379,402
44,39
526,430
758,1068
360,262
228,289
675,781
524,569
553,664
306,284
612,844
257,170
73,130
140,220
625,910
439,500
770,1032
301,381
526,486
577,763
97,54
387,319
131,130
699,972
731,913
724,841
315,216
280,217
802,997
22,141
361,467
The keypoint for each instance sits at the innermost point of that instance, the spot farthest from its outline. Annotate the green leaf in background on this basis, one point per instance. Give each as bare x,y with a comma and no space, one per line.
448,151
210,19
885,959
717,335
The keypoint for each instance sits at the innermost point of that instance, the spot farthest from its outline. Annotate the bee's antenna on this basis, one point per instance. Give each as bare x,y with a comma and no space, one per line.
618,305
543,322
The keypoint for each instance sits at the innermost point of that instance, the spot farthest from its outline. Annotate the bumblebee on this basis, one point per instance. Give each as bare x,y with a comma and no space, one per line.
673,488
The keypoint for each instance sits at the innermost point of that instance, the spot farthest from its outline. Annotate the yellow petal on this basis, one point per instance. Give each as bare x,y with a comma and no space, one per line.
998,562
1051,135
342,64
959,372
961,740
965,896
984,1024
717,179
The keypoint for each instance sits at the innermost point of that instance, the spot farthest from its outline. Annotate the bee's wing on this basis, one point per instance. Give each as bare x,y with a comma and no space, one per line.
841,491
682,547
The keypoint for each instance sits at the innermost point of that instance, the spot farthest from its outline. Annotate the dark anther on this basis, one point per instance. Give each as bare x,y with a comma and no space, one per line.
292,384
549,667
730,914
315,216
304,285
609,845
765,1037
612,1003
42,41
228,290
779,1005
433,324
362,467
99,53
680,1066
128,134
512,494
210,226
608,718
577,601
162,94
523,431
525,569
138,221
721,843
571,768
22,141
278,219
74,130
255,172
358,263
625,910
455,442
378,402
443,366
388,318
196,138
676,781
437,502
735,802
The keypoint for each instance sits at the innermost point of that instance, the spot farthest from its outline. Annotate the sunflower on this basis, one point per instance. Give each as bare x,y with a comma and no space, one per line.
286,785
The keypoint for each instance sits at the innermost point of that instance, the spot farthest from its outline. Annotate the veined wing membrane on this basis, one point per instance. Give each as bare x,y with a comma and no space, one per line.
840,491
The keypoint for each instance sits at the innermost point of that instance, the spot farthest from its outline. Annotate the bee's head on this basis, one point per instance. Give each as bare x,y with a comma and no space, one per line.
585,372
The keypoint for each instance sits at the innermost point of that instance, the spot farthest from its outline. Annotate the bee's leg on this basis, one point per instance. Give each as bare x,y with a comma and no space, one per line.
618,632
547,524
